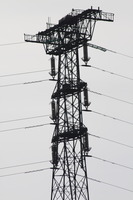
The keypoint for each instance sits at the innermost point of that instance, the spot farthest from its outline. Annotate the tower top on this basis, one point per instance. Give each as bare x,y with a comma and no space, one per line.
71,31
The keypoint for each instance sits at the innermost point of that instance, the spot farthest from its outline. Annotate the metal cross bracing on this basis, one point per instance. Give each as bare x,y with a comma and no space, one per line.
71,31
70,138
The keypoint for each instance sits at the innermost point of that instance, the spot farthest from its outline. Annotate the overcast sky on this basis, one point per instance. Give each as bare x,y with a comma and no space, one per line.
28,100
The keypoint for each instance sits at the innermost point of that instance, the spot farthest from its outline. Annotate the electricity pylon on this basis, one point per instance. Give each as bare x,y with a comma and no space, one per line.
70,138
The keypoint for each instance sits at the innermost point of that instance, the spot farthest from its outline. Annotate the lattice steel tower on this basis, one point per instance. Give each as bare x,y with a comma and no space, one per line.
70,138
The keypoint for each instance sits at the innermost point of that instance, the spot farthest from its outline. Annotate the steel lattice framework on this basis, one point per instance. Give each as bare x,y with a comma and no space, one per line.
70,138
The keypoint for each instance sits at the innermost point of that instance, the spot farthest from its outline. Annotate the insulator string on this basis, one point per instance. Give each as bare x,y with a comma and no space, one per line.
113,141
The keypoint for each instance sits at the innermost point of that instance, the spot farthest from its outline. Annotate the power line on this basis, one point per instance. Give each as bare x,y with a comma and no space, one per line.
105,49
22,165
36,126
40,81
113,141
89,44
27,127
23,73
109,184
112,73
14,43
43,169
25,83
114,118
122,54
37,170
12,129
26,172
121,120
41,125
12,84
37,81
113,163
101,94
25,118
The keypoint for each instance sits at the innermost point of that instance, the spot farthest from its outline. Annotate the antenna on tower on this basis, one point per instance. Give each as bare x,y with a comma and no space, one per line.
48,23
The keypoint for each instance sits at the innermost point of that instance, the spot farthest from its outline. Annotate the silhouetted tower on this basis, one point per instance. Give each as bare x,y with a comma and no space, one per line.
70,138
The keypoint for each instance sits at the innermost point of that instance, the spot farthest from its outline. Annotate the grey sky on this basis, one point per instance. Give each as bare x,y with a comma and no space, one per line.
31,145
